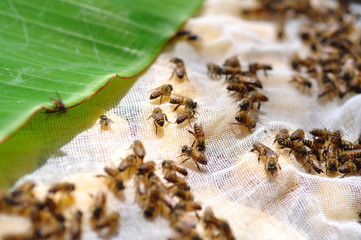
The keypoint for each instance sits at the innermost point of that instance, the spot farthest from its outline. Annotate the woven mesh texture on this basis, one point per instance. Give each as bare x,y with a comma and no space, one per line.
295,205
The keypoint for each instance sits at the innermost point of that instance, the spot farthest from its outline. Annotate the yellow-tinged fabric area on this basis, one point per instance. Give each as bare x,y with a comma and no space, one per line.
295,204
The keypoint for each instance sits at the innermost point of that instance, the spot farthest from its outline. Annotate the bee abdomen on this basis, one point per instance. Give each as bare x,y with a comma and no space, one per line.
155,94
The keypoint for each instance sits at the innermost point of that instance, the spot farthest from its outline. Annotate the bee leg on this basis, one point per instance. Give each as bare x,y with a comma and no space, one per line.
193,143
176,107
161,99
165,117
185,159
197,165
191,133
156,127
172,74
149,117
344,175
279,166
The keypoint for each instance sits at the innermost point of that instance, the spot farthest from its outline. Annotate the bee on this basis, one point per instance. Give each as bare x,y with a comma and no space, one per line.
159,118
209,219
331,159
214,70
141,187
199,135
297,147
181,100
225,230
323,133
335,139
164,90
329,86
148,167
187,113
250,99
59,106
297,135
180,183
105,122
62,187
171,165
108,223
347,155
245,120
186,34
196,156
351,166
254,67
138,149
316,145
187,206
231,71
280,28
237,87
151,206
75,229
271,164
183,194
116,182
232,62
249,81
126,163
301,81
179,70
99,205
283,134
311,159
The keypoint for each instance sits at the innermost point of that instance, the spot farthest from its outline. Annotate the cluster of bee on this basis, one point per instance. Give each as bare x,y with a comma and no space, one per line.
245,84
165,194
327,147
329,32
45,214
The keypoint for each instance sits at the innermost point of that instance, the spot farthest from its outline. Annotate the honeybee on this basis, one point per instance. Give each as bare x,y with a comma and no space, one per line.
187,206
351,166
199,135
335,139
280,28
187,113
148,167
159,118
98,207
214,70
179,70
105,122
323,133
237,87
186,34
59,106
164,90
225,230
62,187
116,182
301,81
232,62
297,135
183,194
138,149
172,177
311,159
181,100
271,164
108,224
347,155
151,205
209,219
329,86
331,159
231,71
254,67
75,228
243,119
251,98
196,156
297,147
126,163
171,165
283,134
249,81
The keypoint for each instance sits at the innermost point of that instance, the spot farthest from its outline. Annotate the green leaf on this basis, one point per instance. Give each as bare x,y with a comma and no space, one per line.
75,48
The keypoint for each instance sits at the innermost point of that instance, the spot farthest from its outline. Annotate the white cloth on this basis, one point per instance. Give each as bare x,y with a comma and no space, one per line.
296,205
